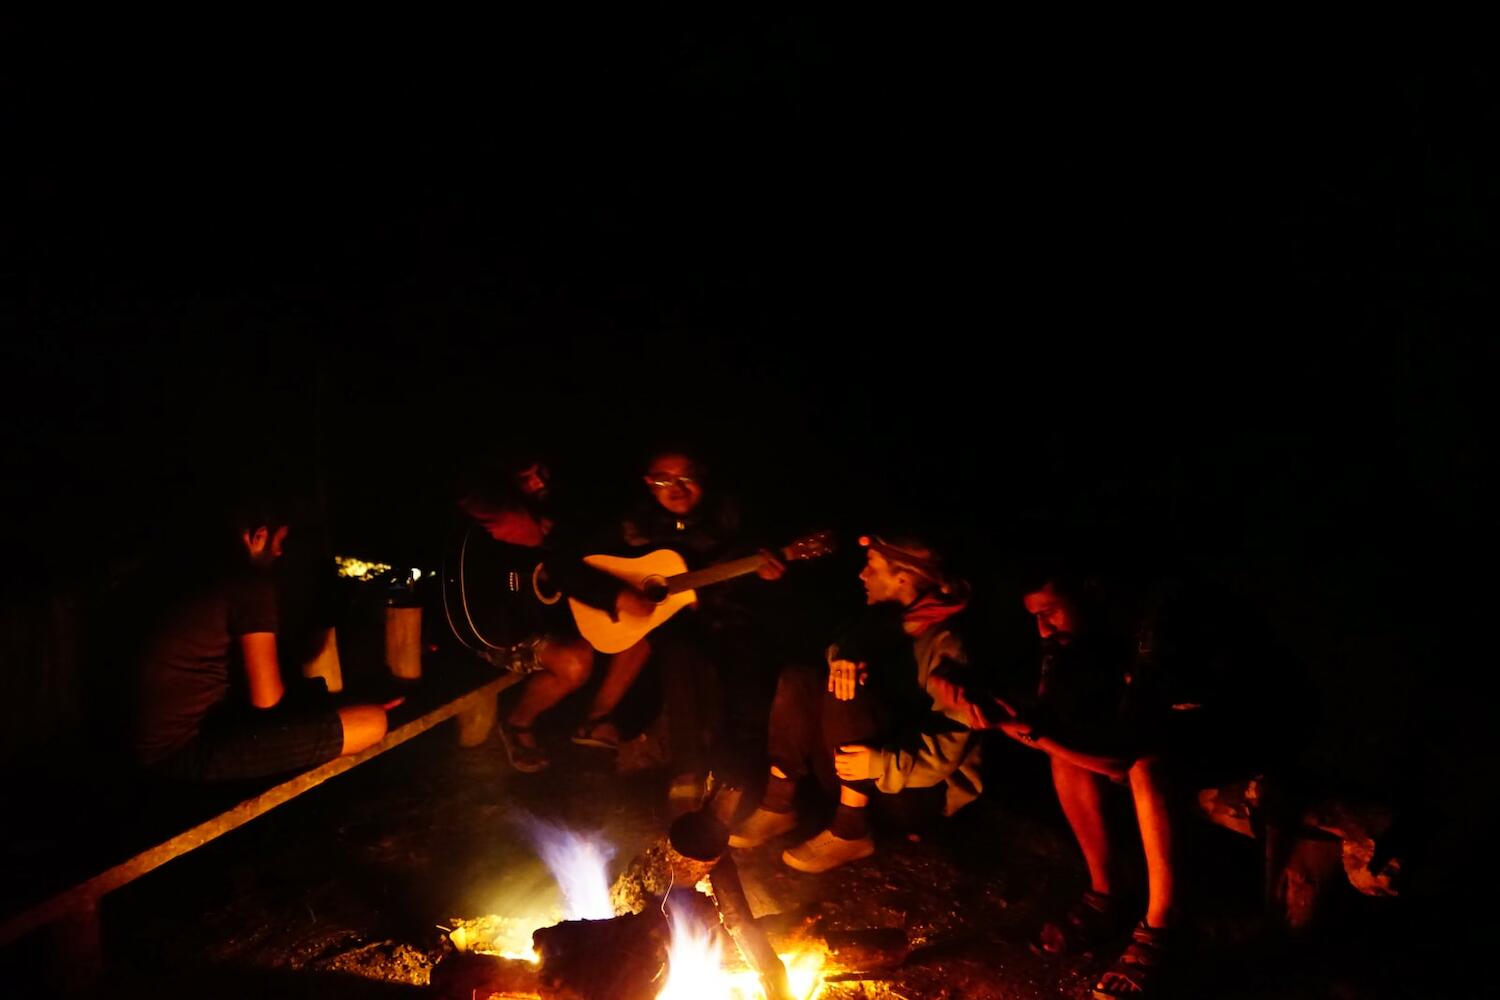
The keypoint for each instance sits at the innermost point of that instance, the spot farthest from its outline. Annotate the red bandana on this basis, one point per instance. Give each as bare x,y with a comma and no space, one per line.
931,609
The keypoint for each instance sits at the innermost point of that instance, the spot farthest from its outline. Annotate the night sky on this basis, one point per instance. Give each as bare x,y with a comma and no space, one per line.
1221,306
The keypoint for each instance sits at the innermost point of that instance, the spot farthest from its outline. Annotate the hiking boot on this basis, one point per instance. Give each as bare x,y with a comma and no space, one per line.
761,826
524,758
825,852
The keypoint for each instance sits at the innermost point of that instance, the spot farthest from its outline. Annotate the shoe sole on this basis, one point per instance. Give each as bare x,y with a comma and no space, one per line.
801,866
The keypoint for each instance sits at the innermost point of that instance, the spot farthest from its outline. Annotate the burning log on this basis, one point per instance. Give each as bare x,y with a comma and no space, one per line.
734,909
619,959
467,976
697,842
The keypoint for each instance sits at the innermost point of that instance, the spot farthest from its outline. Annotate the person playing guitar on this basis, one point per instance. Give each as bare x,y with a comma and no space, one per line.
514,508
696,653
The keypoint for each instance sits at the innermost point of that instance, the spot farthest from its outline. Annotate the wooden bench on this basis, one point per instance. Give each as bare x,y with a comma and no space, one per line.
72,916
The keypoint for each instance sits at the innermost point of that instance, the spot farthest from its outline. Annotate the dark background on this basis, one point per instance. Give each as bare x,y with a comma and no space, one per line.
1219,304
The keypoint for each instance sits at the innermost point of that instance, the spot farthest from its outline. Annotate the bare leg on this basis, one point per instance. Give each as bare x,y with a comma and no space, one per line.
854,800
1078,791
624,667
364,726
1153,811
565,669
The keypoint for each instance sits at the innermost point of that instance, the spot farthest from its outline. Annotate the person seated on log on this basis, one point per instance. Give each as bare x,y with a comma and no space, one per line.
886,716
515,507
705,653
210,701
1151,694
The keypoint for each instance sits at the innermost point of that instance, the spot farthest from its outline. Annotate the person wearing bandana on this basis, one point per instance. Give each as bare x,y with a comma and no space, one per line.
885,717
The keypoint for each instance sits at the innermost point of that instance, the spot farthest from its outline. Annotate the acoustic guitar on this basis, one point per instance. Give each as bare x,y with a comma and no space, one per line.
663,576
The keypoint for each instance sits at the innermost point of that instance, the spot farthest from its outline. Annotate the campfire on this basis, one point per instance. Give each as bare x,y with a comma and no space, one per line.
675,926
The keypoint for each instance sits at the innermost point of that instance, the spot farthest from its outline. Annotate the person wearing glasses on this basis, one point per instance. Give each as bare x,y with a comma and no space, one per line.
696,653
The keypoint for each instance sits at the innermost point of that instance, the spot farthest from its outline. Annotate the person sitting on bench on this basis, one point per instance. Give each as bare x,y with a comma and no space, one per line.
211,704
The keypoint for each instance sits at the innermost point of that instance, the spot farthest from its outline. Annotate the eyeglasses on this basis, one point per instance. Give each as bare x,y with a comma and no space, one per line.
665,484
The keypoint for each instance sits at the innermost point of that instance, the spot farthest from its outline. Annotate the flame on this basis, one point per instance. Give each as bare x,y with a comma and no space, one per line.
695,964
580,863
695,968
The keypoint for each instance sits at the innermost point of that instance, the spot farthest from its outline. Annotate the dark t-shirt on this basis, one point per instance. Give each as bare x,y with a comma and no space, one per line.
185,670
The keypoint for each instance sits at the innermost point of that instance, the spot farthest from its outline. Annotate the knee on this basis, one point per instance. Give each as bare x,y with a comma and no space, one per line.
1150,776
572,664
364,726
798,683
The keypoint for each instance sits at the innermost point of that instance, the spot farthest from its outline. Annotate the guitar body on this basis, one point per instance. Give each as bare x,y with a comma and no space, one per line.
488,594
646,573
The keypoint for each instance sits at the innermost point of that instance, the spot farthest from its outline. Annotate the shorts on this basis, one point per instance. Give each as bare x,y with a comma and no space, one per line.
235,745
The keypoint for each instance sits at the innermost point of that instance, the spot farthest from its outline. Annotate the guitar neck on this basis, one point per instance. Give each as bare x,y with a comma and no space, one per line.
713,574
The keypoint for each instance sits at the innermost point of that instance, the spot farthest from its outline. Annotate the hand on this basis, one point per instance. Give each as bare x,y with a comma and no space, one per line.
772,568
1018,730
632,603
845,677
853,762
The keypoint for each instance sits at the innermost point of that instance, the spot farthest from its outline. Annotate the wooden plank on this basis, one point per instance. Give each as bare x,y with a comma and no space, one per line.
86,894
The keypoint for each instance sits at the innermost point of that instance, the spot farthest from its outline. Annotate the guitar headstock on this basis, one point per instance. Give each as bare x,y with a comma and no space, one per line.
814,546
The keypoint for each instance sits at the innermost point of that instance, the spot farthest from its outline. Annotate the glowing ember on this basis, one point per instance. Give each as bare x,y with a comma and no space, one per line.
507,937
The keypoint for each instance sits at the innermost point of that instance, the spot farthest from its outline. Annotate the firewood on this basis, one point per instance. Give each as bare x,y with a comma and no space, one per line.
734,909
617,959
465,975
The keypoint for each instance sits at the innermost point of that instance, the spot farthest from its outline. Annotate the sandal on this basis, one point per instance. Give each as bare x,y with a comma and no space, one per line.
1140,970
1092,920
526,759
599,731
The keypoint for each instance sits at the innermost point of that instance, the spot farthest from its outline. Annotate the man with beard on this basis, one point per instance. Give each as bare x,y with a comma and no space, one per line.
517,511
211,703
887,715
1134,693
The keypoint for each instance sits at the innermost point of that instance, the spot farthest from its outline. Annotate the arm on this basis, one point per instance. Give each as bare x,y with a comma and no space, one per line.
577,579
1110,767
262,670
935,756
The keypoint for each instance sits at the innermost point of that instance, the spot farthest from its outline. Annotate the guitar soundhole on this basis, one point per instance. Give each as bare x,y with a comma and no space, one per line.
655,588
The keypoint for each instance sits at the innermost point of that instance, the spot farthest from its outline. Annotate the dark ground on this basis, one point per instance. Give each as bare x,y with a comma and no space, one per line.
341,892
